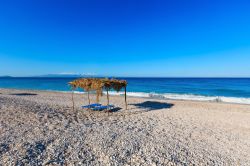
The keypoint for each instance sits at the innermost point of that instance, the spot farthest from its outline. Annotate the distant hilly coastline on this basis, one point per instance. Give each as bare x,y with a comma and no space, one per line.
5,76
58,76
67,75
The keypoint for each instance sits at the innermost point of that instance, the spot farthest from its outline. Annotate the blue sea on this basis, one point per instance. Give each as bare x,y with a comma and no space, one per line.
233,90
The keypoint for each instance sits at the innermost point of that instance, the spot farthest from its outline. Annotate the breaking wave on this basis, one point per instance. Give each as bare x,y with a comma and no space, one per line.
173,96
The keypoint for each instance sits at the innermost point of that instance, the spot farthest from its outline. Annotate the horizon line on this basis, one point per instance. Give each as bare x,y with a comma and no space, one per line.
98,76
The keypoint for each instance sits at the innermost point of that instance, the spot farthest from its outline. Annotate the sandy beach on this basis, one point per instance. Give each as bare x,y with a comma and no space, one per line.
41,128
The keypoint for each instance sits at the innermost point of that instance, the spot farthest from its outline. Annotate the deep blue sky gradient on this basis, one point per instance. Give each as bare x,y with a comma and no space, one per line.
167,38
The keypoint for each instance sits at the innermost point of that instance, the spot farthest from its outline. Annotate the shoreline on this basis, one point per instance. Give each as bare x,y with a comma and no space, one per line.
212,99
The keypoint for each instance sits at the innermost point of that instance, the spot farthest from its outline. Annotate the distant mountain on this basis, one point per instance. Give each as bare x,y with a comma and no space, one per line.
68,75
5,76
60,75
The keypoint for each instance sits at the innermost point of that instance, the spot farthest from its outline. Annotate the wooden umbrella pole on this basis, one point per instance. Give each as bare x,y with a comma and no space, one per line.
126,97
97,97
108,97
88,97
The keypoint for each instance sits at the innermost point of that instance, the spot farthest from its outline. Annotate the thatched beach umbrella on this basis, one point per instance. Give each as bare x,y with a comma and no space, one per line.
98,85
118,85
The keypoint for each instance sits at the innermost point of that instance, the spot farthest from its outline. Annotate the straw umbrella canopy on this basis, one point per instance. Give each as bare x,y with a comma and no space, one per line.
84,83
98,85
118,85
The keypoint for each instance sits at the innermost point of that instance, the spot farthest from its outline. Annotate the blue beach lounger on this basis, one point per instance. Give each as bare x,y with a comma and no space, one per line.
92,105
100,108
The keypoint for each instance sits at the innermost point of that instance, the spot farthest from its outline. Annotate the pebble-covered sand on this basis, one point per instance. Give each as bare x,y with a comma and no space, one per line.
41,128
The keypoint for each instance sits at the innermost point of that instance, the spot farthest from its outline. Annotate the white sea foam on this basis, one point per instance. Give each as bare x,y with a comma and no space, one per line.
173,96
239,100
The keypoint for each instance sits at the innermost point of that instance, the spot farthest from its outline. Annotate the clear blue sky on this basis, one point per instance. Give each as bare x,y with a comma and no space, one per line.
203,38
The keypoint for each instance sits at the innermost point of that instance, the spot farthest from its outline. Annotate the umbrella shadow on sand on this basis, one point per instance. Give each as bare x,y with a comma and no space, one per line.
153,105
23,94
116,109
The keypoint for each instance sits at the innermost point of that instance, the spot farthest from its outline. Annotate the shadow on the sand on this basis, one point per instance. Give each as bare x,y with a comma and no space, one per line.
153,105
23,94
116,109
